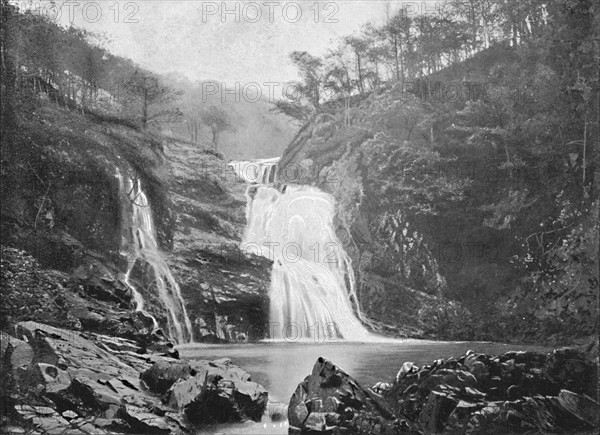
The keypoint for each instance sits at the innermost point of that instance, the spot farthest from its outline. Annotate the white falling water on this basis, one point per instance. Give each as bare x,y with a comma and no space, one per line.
313,293
256,171
139,244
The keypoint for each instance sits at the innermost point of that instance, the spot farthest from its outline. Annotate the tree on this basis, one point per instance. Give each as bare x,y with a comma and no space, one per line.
144,92
359,46
311,71
218,121
375,55
397,31
300,113
306,97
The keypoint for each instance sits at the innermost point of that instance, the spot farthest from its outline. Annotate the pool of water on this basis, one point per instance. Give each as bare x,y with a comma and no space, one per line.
280,367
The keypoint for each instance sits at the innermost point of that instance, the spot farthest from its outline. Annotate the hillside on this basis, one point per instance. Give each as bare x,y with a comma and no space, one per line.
476,184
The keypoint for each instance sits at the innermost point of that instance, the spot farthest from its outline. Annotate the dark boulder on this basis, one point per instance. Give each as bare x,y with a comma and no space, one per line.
217,392
566,413
331,401
163,374
436,411
512,393
570,369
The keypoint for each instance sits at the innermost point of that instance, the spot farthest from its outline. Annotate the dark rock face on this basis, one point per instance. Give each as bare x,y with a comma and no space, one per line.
225,291
330,401
570,369
93,298
16,356
86,383
512,393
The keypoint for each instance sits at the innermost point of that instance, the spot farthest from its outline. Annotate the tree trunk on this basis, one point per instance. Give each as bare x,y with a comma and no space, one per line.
396,58
474,24
215,137
145,110
360,77
401,64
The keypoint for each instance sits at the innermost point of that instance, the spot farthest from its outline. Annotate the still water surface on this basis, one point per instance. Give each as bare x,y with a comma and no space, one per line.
279,367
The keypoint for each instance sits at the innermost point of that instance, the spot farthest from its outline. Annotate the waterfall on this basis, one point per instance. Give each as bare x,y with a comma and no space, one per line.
313,293
139,244
261,171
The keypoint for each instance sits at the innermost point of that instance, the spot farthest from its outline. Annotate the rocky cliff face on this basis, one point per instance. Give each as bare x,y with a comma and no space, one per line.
399,285
225,291
62,206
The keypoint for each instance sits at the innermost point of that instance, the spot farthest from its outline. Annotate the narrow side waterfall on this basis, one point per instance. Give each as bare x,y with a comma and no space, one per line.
139,244
313,293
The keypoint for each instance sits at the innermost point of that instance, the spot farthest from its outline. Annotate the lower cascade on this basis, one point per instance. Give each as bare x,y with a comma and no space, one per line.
139,244
313,293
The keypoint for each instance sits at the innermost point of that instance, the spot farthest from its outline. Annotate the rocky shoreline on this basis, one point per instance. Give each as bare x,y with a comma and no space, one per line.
517,392
61,381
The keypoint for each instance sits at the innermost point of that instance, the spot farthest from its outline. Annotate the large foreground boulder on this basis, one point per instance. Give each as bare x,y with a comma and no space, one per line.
331,401
218,392
207,391
163,374
16,356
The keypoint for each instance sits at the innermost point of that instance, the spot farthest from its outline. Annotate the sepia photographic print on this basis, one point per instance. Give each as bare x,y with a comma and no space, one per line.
299,217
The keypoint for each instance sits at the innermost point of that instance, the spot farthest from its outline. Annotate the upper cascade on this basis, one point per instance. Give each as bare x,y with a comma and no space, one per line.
261,171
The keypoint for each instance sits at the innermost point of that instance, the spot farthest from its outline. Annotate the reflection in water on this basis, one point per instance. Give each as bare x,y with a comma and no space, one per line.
280,367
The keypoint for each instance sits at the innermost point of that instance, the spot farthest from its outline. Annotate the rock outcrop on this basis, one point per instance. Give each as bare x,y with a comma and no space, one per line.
331,401
225,290
71,382
517,392
511,393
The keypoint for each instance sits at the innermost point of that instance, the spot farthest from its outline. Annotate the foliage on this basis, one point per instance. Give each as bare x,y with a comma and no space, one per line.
41,59
305,96
218,121
408,47
31,293
144,91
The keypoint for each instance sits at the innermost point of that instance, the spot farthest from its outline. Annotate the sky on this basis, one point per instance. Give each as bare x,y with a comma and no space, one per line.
230,42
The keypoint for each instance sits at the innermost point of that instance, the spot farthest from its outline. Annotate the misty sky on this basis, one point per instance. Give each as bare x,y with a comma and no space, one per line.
195,39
